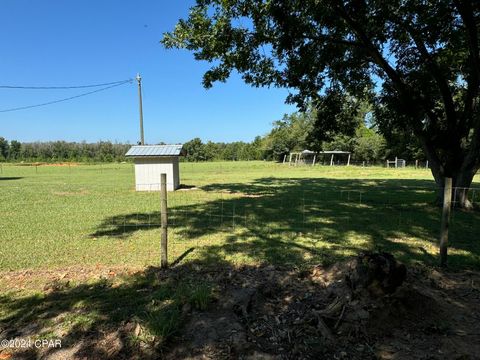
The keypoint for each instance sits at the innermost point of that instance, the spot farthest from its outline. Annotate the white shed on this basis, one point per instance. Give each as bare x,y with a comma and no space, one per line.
151,161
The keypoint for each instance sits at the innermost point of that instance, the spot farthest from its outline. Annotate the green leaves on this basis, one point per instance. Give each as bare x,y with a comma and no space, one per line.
418,61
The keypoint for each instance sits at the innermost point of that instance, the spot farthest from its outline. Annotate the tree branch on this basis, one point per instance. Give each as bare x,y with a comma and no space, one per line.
374,52
333,40
406,94
473,81
437,75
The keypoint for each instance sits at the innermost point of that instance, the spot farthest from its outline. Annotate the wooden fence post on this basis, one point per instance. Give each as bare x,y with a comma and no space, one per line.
164,221
447,206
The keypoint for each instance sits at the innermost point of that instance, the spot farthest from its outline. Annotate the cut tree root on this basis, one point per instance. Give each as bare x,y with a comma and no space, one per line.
354,309
368,275
377,272
333,308
340,317
324,329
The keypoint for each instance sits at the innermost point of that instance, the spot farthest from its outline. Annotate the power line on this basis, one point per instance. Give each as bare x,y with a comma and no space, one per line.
66,99
61,87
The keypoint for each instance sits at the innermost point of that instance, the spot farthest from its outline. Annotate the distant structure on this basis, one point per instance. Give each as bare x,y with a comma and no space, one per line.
151,161
397,163
308,157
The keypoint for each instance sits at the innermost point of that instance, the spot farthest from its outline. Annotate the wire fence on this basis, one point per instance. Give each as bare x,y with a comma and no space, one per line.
362,163
271,219
327,218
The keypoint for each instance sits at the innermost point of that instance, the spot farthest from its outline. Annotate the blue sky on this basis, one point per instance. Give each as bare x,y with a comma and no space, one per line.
75,42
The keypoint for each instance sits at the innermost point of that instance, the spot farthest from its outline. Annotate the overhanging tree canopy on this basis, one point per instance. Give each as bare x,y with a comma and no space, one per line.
418,60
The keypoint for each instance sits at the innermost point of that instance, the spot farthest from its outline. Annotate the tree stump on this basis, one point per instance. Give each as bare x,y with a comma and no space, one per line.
379,273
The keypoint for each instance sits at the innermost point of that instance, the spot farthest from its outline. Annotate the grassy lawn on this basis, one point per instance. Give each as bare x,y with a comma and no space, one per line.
238,212
64,225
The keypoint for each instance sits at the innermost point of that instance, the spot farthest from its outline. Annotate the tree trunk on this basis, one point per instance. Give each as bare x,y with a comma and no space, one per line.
462,180
461,186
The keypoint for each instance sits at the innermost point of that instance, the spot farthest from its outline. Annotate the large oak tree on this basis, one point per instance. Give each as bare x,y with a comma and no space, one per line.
417,60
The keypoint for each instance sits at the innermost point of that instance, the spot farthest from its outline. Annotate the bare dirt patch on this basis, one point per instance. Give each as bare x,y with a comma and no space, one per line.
48,164
61,164
49,279
269,312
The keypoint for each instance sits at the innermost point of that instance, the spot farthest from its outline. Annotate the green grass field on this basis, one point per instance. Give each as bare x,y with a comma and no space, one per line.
239,212
75,241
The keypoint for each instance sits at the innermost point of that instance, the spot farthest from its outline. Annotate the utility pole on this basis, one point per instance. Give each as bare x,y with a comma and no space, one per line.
139,80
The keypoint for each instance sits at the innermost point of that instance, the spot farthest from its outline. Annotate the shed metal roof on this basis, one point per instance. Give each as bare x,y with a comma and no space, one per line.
155,150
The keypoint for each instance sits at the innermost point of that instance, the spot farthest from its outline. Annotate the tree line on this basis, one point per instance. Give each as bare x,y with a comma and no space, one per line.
106,151
51,151
364,140
294,132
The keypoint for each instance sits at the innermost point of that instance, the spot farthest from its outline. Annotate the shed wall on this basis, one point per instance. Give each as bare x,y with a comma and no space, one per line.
148,171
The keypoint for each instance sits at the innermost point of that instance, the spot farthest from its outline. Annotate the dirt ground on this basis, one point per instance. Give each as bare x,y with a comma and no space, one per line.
271,312
48,164
33,280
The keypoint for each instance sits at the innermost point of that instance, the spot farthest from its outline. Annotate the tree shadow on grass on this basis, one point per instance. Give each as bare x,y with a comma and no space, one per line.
10,178
271,185
303,220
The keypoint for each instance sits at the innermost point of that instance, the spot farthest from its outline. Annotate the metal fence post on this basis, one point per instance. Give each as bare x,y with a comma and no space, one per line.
164,221
447,206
